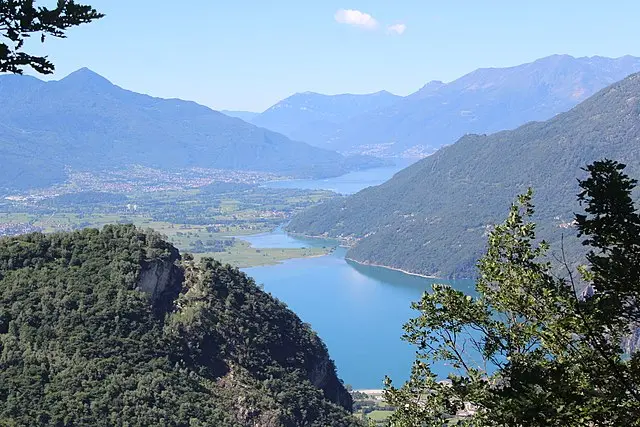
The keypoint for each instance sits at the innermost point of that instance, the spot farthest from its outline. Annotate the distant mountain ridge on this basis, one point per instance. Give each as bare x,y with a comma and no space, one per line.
247,116
484,101
432,217
85,122
308,116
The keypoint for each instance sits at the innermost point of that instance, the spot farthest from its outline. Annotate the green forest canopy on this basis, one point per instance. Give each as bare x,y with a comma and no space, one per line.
111,326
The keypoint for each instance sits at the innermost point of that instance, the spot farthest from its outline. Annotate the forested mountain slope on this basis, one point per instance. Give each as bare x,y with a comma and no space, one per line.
432,218
484,101
86,123
111,327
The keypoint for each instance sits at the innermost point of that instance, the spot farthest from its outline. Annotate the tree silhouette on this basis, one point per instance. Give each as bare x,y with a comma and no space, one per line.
21,19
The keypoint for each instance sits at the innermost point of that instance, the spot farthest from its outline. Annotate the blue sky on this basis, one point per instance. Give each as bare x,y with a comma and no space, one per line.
247,55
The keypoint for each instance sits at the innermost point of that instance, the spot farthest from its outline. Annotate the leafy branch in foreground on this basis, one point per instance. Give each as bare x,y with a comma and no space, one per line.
532,349
20,19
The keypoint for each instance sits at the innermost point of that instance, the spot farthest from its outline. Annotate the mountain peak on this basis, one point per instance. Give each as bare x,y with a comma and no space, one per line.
434,84
429,88
86,76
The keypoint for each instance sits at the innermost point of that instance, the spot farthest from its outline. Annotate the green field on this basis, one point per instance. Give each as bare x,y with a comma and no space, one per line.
379,416
242,254
234,218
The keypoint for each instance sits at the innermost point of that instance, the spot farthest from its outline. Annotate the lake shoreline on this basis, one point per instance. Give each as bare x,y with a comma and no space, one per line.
370,264
346,243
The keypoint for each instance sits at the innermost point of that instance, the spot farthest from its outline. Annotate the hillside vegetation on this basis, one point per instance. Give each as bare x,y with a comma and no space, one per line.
85,123
111,327
432,218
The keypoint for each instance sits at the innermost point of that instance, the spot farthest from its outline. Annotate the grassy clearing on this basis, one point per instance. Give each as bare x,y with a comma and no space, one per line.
242,254
181,215
379,416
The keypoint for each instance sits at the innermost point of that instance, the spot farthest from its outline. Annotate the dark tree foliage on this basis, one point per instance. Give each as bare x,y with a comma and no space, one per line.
612,229
87,339
532,349
20,19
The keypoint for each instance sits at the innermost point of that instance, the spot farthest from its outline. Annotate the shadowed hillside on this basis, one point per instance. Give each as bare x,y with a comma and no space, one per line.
432,218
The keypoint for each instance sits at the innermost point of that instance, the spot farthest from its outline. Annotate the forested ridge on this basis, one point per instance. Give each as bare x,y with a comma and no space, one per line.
114,327
433,217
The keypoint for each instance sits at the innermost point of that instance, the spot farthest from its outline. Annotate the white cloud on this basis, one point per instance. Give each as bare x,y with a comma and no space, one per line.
356,18
396,29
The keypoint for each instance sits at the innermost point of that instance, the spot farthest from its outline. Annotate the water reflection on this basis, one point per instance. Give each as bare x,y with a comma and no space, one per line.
358,310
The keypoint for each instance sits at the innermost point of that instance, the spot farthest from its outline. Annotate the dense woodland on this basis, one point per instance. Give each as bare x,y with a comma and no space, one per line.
85,339
434,216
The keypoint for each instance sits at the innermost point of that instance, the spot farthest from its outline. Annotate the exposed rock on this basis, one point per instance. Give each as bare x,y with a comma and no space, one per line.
631,344
323,375
162,281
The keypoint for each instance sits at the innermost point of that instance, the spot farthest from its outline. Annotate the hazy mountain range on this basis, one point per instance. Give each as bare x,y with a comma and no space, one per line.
432,218
307,116
247,116
84,122
483,101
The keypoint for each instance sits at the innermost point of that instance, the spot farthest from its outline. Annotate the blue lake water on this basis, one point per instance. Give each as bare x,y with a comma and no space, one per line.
349,183
357,310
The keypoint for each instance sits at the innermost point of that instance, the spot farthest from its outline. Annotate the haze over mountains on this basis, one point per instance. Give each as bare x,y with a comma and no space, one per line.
483,101
84,122
247,116
309,116
432,218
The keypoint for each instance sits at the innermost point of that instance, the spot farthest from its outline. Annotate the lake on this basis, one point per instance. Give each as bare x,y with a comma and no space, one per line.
349,183
357,310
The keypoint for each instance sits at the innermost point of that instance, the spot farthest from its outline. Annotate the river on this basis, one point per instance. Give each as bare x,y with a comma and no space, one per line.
357,310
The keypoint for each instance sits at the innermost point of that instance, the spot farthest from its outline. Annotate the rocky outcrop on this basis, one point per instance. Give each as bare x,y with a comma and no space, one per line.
631,344
323,375
162,281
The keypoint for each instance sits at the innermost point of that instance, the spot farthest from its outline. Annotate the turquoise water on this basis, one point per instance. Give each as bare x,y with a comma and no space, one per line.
349,183
357,310
279,239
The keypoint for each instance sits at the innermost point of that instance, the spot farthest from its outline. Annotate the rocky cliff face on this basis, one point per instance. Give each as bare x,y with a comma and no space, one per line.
162,281
323,376
246,327
631,344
